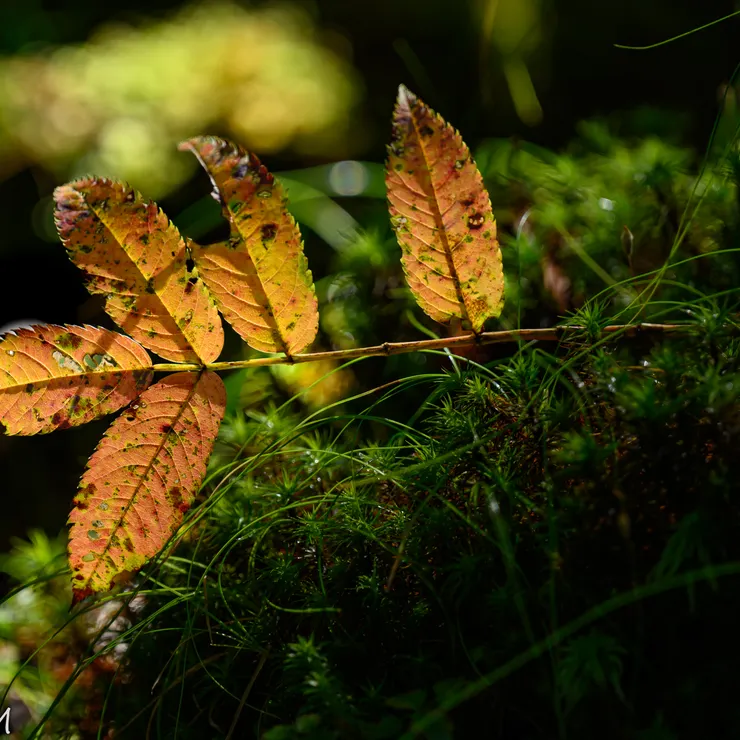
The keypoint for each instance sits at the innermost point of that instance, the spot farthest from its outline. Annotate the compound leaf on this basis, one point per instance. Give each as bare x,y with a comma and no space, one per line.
131,253
442,217
142,477
54,377
259,277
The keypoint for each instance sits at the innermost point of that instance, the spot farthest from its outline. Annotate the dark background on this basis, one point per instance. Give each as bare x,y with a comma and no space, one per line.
576,70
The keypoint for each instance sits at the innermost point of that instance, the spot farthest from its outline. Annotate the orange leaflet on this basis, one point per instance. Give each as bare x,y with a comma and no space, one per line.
54,377
259,277
442,217
142,477
131,253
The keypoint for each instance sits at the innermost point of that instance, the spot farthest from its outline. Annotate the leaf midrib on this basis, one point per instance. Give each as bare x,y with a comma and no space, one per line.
135,264
267,302
145,474
438,216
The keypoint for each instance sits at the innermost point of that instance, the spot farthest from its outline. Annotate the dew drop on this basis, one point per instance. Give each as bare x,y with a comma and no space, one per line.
10,352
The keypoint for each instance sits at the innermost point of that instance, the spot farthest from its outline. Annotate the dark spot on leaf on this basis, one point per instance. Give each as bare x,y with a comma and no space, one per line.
29,388
189,264
268,231
476,220
426,131
150,285
68,341
144,239
468,201
165,428
142,378
176,496
190,284
81,594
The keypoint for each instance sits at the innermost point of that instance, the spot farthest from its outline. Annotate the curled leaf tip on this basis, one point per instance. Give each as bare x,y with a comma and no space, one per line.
259,277
223,158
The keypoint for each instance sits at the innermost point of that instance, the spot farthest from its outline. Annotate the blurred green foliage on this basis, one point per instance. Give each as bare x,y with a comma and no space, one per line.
118,104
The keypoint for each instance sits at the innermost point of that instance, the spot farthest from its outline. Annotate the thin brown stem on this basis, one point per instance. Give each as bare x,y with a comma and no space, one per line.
554,334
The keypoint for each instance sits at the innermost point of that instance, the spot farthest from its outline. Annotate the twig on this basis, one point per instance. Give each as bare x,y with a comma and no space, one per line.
553,334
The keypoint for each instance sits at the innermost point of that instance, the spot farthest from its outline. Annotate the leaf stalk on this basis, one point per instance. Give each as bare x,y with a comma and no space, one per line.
553,334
